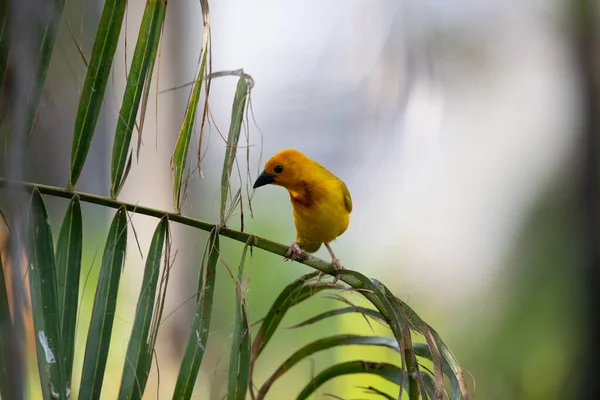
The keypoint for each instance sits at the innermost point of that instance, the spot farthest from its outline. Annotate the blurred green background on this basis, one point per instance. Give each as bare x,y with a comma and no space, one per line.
454,125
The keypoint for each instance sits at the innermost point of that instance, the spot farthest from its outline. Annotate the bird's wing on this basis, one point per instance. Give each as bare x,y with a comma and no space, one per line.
347,198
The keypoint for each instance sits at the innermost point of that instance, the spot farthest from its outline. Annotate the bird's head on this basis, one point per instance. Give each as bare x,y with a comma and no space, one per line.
283,169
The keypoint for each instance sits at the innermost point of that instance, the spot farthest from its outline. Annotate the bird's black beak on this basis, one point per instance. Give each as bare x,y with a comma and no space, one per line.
264,179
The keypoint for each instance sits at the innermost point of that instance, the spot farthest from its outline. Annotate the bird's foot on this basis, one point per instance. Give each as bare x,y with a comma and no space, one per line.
335,263
337,266
294,252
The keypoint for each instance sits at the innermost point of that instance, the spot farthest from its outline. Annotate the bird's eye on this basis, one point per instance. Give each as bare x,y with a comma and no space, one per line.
278,169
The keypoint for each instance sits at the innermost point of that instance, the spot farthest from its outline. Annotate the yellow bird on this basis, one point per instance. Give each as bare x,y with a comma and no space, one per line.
321,201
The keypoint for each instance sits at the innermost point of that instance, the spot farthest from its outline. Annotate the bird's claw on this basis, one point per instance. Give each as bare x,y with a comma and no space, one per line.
294,252
337,266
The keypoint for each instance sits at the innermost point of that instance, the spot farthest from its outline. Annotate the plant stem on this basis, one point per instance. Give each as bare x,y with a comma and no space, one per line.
242,237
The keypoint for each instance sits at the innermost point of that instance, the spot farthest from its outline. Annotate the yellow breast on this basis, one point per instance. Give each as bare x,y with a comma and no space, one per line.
321,211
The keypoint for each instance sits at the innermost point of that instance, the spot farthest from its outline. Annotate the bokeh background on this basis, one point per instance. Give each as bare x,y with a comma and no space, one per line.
455,125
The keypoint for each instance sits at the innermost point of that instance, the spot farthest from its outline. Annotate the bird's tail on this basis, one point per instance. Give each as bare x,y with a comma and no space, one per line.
310,247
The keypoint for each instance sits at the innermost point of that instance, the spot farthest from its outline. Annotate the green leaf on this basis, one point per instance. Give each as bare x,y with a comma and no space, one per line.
235,127
44,301
325,344
392,309
68,269
103,312
47,41
183,140
369,312
239,361
91,97
138,360
422,350
139,75
437,365
196,346
401,328
448,358
386,371
146,92
44,40
378,392
7,387
460,389
294,293
4,40
429,386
